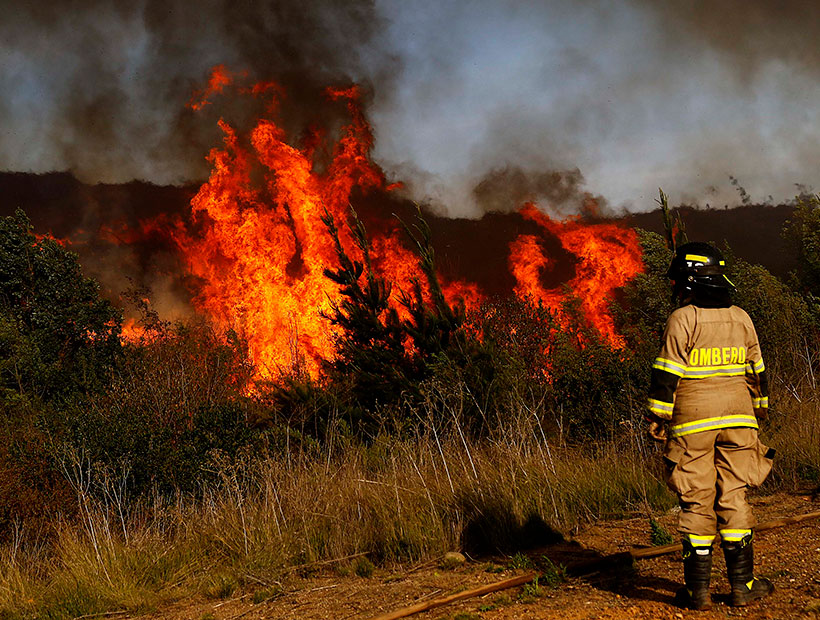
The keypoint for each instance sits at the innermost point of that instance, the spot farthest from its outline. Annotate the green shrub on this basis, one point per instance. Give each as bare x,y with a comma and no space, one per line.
645,303
786,324
550,573
803,233
381,361
595,389
174,400
658,534
58,337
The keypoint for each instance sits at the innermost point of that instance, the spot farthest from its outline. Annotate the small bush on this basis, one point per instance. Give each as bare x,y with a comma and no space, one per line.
519,561
803,232
363,567
658,534
59,339
168,407
550,573
531,591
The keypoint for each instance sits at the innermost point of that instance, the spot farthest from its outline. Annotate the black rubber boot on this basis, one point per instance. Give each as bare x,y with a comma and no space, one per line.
697,569
740,561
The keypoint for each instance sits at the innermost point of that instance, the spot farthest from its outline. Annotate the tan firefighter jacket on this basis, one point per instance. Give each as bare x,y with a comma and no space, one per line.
710,372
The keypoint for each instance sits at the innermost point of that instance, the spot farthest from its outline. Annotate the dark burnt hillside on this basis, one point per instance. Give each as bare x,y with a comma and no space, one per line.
58,203
752,231
90,215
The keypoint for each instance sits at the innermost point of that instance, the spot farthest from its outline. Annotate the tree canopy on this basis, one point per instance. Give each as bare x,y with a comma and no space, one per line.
57,335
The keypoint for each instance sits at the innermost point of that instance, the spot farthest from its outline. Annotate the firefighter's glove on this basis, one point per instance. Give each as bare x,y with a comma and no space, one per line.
656,428
761,413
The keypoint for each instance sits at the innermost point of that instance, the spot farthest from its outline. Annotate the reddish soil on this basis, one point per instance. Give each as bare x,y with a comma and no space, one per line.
789,556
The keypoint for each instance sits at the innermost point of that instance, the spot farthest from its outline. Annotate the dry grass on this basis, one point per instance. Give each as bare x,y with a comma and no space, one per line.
400,501
794,431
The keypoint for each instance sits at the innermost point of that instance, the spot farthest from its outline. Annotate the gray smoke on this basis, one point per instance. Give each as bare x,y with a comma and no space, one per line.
635,95
630,95
750,34
101,88
559,191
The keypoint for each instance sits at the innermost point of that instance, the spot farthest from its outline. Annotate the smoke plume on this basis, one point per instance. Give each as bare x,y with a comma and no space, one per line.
100,88
467,99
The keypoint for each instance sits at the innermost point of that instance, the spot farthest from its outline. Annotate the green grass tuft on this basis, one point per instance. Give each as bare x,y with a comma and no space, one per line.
363,567
519,561
551,574
658,534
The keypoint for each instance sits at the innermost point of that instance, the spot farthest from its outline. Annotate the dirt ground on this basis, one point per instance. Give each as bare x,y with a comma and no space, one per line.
790,557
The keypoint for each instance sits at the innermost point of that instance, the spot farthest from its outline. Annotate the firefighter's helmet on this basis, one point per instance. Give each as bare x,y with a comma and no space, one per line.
699,268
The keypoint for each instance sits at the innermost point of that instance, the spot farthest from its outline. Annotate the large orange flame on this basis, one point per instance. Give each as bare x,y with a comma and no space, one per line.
608,257
258,247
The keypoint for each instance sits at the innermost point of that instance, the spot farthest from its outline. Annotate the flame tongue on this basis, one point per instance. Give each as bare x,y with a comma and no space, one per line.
258,248
609,256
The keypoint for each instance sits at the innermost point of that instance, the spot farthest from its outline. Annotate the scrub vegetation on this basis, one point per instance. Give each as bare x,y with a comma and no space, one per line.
132,473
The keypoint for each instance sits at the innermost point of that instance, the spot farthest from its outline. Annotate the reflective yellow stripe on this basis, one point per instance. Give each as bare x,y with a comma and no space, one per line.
674,364
710,424
739,367
760,402
669,369
660,406
711,375
686,425
704,372
697,258
734,535
700,541
669,366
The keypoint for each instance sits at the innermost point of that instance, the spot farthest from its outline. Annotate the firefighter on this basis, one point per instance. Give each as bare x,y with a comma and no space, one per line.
708,390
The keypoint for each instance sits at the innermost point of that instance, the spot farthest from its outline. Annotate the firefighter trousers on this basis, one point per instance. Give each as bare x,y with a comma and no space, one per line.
710,472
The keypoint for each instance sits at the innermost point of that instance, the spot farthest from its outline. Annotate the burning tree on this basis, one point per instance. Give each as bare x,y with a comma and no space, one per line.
370,348
258,249
383,356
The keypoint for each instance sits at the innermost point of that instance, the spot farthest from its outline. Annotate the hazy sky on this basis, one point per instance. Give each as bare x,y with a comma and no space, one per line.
475,104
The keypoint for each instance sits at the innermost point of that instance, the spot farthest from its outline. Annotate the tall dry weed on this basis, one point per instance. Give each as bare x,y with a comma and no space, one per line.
265,516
